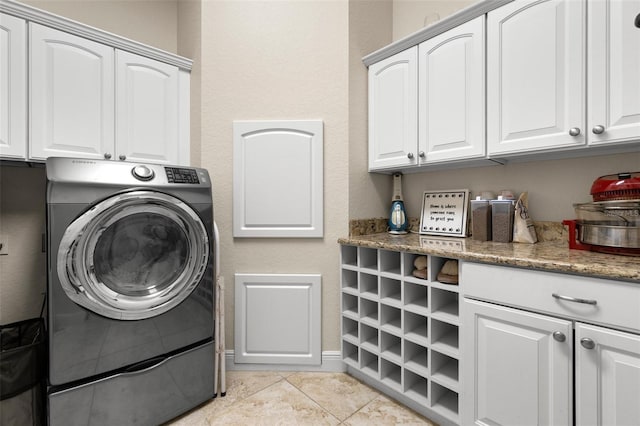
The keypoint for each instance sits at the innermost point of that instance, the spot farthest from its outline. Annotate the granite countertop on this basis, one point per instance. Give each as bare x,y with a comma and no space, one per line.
553,256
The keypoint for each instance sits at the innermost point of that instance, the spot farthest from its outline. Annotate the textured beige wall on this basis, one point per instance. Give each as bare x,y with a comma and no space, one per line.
151,22
190,46
22,221
370,27
553,185
410,16
278,60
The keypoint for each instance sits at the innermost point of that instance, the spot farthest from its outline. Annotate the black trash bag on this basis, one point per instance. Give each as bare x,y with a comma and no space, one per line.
22,372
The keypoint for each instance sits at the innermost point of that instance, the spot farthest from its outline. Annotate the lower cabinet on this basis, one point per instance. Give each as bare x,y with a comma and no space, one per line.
400,333
543,363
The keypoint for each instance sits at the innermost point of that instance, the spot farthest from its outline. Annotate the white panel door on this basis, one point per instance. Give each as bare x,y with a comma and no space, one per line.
13,87
71,96
393,111
614,71
278,318
607,377
147,110
535,76
515,371
451,82
277,179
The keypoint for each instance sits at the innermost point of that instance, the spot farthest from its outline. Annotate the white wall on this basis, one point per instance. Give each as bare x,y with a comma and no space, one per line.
278,60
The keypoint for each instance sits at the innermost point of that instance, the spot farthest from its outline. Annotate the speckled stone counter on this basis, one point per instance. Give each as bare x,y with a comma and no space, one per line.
553,256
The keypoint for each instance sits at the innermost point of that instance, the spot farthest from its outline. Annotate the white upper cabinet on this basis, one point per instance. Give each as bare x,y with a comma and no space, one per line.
147,109
451,101
70,90
13,87
613,74
71,96
536,76
393,107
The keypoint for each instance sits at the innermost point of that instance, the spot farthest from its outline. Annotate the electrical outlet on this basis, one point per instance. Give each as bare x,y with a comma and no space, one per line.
4,245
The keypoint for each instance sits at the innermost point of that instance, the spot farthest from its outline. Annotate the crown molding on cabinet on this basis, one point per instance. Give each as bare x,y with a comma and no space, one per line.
39,16
431,31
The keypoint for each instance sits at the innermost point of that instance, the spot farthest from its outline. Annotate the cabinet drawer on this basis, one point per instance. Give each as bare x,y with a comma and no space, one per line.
617,303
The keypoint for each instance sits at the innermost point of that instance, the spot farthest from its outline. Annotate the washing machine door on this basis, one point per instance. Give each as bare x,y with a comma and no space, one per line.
134,255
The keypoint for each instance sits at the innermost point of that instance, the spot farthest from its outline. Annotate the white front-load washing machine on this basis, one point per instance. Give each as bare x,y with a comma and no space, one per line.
130,291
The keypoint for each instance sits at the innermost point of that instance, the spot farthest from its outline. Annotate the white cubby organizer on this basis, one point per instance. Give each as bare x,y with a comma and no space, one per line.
400,333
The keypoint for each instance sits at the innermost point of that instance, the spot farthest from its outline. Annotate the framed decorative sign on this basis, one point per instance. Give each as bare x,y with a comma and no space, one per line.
445,213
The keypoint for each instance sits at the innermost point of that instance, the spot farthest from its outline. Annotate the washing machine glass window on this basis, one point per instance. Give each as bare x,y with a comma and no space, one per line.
134,255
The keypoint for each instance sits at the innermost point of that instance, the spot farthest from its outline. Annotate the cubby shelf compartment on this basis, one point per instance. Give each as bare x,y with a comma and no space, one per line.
369,285
369,363
390,262
391,374
349,281
349,256
390,291
444,337
399,333
416,387
368,258
444,370
369,338
444,401
349,305
408,266
391,319
416,358
369,312
391,347
350,330
445,305
415,298
415,328
350,353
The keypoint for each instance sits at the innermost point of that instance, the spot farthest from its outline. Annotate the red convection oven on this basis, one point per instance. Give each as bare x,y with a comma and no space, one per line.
611,223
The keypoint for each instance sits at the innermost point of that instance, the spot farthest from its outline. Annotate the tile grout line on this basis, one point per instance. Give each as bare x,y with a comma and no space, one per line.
325,409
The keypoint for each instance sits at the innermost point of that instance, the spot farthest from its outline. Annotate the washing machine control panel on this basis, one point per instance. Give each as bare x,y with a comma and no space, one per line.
181,175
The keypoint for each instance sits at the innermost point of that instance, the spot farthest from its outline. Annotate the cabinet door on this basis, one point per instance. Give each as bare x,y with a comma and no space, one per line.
71,95
535,76
614,70
13,87
393,109
451,113
514,371
147,109
607,377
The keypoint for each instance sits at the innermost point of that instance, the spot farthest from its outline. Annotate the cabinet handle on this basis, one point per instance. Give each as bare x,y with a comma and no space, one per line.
107,156
598,129
575,299
574,131
637,21
421,154
587,343
410,155
122,157
559,336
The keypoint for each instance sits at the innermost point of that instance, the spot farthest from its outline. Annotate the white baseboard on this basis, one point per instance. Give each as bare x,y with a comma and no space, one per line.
331,363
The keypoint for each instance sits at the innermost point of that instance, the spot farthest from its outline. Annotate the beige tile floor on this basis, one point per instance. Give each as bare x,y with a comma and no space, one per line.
284,398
